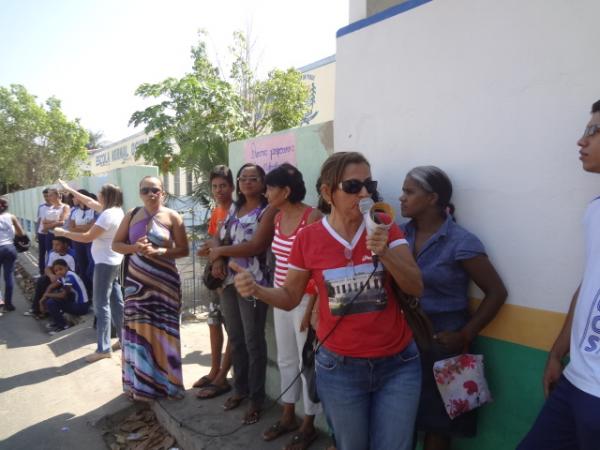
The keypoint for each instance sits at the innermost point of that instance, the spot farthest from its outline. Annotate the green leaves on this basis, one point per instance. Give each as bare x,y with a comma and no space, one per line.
196,117
38,144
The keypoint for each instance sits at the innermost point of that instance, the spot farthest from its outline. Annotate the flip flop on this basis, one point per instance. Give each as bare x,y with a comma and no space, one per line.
212,391
278,429
301,440
232,403
202,382
251,417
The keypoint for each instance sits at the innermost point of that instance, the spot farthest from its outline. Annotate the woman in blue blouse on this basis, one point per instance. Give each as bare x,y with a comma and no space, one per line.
449,257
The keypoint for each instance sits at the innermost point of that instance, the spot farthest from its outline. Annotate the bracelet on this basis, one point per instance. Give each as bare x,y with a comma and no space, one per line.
162,251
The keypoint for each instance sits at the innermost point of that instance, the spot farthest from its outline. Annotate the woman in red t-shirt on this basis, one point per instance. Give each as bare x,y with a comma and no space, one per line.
367,368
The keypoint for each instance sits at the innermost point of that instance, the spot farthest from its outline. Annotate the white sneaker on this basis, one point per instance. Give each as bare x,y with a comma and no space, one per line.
50,326
29,313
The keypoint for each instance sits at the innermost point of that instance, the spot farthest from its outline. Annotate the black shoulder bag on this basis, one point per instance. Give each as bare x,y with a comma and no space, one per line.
125,262
21,243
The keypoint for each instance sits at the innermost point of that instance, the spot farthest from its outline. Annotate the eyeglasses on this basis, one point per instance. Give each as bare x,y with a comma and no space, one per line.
147,190
355,186
248,179
590,130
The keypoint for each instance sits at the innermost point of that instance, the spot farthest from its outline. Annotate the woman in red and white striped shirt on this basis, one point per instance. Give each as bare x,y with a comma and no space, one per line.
285,191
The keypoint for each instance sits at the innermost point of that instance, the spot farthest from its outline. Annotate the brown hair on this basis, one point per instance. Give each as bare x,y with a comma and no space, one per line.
333,168
112,196
55,191
221,171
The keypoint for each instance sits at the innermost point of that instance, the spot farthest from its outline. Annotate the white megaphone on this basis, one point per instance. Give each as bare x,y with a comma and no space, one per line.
376,215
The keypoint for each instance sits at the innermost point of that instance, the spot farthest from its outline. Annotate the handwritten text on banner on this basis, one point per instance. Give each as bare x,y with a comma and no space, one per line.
270,152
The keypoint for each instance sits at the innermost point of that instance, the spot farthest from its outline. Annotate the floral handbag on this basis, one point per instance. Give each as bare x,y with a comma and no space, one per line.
462,384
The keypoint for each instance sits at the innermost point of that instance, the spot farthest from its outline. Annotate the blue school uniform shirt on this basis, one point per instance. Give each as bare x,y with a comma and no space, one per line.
445,281
52,256
72,280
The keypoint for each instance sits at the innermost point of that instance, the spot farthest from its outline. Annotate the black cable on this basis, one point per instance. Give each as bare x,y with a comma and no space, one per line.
347,307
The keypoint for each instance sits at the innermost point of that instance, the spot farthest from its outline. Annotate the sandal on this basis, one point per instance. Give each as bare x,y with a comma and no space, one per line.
278,429
202,382
252,416
301,440
212,391
232,403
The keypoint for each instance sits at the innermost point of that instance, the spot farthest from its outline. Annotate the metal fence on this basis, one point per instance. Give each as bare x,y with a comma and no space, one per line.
194,293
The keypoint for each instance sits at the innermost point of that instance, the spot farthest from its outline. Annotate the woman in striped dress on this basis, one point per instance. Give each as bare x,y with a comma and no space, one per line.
285,192
154,236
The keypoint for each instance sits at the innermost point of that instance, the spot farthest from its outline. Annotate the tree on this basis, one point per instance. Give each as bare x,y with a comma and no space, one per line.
38,144
96,140
198,115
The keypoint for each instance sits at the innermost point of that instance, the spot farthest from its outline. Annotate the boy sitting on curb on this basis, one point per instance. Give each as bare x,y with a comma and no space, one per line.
67,294
60,249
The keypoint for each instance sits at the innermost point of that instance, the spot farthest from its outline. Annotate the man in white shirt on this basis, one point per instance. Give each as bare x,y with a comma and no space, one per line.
41,235
570,418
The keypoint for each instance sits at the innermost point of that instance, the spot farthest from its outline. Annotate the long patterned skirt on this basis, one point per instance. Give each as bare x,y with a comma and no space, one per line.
151,344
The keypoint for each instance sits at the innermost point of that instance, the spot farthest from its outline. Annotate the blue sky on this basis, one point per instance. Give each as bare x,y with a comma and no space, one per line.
93,54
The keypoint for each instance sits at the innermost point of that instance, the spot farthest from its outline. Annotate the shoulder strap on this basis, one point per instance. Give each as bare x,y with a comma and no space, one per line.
307,212
133,213
262,212
277,220
227,236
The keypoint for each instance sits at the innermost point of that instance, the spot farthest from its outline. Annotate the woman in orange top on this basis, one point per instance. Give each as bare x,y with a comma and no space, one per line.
215,382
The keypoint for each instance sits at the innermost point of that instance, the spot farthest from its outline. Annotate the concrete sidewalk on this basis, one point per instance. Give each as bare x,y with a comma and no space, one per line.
50,398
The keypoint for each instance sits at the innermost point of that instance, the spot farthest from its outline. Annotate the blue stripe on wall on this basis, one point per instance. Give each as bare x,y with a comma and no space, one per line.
385,14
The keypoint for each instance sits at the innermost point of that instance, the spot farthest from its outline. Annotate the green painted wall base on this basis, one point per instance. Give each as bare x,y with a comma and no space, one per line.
514,373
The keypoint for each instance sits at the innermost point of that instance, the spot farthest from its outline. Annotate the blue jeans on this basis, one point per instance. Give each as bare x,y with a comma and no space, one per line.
371,403
56,308
108,303
8,256
568,421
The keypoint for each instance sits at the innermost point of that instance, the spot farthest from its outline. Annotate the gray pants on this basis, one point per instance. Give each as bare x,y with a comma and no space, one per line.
245,325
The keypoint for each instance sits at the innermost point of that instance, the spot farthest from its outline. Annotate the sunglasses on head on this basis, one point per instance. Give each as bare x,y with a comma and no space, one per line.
147,190
355,186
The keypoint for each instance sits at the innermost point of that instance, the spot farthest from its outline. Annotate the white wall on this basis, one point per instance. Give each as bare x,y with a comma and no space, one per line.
496,94
357,10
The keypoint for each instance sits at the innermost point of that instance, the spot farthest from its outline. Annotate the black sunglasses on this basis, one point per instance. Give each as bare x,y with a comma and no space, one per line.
355,186
147,190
